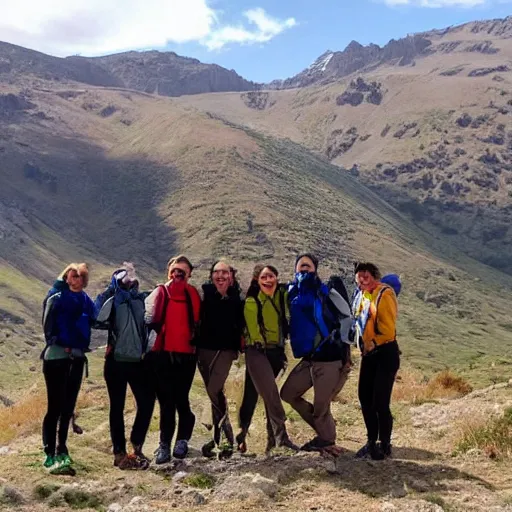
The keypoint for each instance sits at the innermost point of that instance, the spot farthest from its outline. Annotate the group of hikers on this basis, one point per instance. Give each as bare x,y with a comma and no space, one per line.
156,340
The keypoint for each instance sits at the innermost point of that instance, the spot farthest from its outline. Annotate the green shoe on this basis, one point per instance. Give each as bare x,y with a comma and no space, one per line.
62,465
49,461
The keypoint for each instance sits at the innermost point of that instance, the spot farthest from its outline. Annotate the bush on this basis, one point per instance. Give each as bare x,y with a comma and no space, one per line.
199,480
494,438
446,380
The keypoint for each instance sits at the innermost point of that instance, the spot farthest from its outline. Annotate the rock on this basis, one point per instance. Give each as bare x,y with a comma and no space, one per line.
257,100
136,500
114,507
179,476
398,492
248,486
487,71
5,450
387,507
353,98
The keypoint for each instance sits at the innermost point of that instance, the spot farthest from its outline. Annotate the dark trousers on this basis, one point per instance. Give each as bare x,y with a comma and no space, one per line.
270,363
63,379
214,366
376,379
172,376
118,376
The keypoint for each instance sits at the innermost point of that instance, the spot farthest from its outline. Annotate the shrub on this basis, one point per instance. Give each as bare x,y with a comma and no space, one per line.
199,480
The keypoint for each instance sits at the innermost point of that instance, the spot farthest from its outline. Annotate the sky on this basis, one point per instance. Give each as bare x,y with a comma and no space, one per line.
260,39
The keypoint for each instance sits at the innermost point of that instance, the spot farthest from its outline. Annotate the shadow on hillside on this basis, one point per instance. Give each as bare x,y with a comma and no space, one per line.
106,207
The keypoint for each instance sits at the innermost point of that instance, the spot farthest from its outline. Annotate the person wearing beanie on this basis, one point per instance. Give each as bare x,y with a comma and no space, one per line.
172,312
121,312
319,329
68,315
375,310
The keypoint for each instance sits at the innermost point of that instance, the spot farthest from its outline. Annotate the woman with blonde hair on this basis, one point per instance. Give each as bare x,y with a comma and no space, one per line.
68,315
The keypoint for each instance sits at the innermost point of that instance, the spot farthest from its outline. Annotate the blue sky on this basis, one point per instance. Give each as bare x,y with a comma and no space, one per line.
261,39
329,25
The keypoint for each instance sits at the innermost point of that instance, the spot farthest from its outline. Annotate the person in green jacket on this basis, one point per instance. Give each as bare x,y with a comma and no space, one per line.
265,313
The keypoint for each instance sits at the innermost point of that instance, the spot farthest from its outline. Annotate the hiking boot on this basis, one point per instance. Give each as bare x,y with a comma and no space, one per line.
163,454
370,449
386,449
118,457
288,443
132,461
49,461
225,450
137,450
208,449
240,441
315,445
180,449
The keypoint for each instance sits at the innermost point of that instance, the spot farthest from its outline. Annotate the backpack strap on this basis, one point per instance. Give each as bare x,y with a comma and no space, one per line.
261,322
377,301
190,313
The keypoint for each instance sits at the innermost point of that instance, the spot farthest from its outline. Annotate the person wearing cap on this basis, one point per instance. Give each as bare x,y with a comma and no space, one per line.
121,312
325,362
375,309
172,314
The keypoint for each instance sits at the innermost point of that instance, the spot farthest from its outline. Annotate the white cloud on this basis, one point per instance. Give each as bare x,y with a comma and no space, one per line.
266,28
437,3
94,27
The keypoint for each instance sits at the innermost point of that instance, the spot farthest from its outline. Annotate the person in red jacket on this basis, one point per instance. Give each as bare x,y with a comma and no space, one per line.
172,312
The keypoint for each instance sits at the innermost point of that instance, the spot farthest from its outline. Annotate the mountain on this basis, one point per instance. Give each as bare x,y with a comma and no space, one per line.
432,138
163,73
468,38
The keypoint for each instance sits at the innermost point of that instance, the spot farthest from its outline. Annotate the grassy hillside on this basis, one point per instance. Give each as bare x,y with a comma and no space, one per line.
107,175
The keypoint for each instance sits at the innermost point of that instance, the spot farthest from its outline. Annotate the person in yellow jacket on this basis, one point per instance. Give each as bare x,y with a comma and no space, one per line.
375,309
265,313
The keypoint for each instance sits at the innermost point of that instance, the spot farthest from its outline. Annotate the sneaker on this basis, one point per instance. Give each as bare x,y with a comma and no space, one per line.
132,461
315,445
118,457
49,461
208,449
62,465
180,449
163,454
287,443
241,444
225,450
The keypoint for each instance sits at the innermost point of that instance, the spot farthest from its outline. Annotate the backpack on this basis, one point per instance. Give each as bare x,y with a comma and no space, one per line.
283,321
122,313
318,315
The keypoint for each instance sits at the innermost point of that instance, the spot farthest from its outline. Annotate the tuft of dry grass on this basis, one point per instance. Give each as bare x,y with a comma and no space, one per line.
493,437
416,389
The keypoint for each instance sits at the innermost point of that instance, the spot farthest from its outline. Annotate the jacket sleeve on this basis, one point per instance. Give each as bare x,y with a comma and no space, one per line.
155,304
251,322
196,305
103,308
50,309
387,312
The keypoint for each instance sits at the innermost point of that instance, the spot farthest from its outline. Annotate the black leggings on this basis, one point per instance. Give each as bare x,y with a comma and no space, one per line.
376,379
63,380
118,375
172,376
277,360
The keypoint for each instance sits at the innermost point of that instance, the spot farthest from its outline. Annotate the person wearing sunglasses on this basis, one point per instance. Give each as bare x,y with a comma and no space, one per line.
172,315
68,315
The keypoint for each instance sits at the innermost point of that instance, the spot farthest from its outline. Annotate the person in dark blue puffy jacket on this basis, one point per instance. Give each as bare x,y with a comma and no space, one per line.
319,328
68,315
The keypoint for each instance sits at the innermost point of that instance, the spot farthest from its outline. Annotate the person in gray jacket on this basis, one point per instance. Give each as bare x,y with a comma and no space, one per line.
121,311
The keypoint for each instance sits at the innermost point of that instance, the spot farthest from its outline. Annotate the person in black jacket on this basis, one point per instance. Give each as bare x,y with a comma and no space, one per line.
222,323
121,311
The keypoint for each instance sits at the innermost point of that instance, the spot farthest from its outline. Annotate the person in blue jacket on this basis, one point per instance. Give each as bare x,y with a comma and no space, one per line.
68,315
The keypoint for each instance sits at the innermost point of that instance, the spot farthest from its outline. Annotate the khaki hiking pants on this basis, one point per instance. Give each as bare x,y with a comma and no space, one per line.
214,366
262,375
327,380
